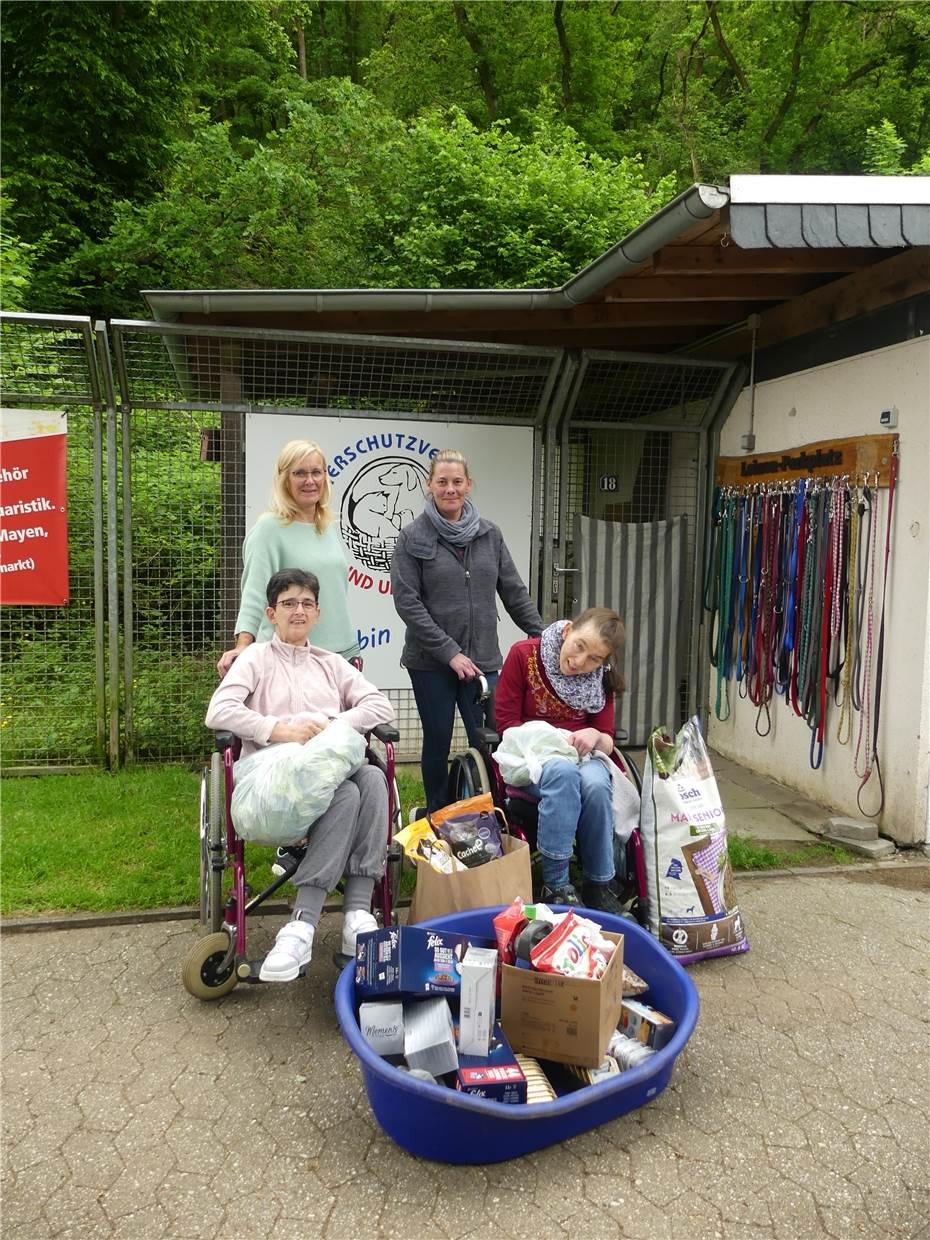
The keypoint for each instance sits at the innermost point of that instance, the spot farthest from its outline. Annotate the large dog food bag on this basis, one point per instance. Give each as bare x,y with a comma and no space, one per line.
692,902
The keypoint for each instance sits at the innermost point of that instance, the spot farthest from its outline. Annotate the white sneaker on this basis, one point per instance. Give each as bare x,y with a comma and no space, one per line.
290,953
355,923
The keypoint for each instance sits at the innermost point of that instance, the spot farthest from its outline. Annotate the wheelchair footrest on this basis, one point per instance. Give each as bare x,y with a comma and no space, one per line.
248,971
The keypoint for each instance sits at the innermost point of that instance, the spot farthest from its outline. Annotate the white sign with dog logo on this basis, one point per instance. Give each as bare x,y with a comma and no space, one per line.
378,469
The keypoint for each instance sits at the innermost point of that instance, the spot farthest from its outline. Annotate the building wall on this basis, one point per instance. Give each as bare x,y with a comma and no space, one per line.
839,400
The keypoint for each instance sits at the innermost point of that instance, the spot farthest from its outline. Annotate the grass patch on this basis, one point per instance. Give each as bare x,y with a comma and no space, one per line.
748,854
98,842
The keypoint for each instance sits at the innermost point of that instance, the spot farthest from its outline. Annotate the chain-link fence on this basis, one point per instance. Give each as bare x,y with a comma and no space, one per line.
157,513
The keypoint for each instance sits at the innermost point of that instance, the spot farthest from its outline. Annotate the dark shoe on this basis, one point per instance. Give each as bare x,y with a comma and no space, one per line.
603,897
560,895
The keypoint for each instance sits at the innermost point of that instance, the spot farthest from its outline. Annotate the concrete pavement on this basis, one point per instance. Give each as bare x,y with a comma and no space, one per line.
800,1107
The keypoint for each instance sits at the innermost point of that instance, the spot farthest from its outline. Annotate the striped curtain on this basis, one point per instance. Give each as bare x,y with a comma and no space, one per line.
639,571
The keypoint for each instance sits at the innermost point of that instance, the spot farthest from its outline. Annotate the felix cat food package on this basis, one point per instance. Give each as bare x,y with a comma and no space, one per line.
408,960
496,1075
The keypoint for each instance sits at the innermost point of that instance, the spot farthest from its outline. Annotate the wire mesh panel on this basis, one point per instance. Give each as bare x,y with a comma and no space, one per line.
318,372
47,360
623,388
181,566
51,710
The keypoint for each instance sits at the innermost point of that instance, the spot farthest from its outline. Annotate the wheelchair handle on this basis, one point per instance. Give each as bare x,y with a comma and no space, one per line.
481,683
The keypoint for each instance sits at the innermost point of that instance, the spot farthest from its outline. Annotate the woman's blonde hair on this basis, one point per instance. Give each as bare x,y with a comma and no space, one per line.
282,503
611,631
447,456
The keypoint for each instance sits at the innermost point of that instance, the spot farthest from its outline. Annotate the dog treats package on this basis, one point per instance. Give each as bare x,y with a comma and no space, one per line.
692,902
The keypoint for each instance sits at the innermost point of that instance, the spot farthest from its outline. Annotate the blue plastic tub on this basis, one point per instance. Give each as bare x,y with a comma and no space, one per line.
439,1123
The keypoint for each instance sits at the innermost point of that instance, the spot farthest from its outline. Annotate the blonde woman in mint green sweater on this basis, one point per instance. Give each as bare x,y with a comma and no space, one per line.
297,531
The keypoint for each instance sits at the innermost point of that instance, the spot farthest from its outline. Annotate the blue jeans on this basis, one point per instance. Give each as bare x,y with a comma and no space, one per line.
577,801
437,693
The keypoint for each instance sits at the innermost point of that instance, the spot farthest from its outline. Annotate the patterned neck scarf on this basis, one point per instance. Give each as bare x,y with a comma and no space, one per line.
584,692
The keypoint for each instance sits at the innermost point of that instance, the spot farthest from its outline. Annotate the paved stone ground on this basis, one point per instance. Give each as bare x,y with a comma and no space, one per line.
799,1108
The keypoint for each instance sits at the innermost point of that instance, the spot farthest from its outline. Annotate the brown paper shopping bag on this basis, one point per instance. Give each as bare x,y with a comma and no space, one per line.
496,882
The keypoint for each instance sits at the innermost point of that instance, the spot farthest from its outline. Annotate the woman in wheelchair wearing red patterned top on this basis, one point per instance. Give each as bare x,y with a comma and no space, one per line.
568,677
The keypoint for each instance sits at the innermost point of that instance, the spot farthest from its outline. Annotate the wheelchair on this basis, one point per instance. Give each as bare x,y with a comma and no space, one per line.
474,772
218,961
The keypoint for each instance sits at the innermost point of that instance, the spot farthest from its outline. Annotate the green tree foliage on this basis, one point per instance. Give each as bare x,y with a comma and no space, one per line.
697,89
331,141
92,93
470,208
347,195
884,152
17,259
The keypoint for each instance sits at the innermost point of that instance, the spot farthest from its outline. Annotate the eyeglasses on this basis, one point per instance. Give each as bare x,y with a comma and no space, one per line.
291,604
303,474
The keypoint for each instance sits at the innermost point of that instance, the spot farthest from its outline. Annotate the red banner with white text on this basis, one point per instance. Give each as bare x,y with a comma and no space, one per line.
33,507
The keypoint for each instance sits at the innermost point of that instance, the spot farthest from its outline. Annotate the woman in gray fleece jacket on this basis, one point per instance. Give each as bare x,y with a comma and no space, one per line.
448,567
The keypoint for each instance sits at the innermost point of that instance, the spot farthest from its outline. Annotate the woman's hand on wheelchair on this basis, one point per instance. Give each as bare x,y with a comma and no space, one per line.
226,660
228,657
585,740
463,667
301,731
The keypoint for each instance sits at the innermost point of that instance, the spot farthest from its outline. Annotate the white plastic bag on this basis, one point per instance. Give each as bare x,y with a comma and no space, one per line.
280,791
524,749
692,903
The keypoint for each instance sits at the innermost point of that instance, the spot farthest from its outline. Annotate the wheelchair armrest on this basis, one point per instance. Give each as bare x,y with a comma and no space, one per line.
224,740
487,736
386,732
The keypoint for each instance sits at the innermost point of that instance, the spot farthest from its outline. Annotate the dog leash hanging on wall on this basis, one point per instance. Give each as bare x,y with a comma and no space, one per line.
794,606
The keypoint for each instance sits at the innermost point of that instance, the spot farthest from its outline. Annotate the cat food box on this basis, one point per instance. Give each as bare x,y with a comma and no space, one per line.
411,960
496,1075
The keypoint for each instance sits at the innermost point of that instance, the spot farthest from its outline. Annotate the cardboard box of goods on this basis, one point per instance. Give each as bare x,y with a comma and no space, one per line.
568,1019
496,1075
429,1036
410,960
479,992
644,1024
382,1026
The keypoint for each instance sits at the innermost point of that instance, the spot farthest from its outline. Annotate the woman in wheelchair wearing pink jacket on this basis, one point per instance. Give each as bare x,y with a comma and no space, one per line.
568,677
270,685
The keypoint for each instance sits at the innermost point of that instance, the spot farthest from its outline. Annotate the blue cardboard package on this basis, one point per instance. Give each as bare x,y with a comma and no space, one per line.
410,960
496,1075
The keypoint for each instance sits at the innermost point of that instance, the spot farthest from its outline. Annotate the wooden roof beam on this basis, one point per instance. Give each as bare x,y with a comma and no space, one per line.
686,260
718,286
905,275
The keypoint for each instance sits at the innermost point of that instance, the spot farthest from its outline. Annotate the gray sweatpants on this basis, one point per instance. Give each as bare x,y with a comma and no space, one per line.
350,838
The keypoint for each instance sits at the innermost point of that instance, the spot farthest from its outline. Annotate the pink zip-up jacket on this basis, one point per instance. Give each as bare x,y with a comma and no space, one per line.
274,681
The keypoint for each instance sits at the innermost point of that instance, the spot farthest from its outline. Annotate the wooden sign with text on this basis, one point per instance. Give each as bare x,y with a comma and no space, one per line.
865,454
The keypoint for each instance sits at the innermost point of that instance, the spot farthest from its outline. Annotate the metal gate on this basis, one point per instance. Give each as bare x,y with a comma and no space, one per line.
157,496
53,711
635,444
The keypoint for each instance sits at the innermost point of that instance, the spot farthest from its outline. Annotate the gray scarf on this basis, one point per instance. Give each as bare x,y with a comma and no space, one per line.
459,533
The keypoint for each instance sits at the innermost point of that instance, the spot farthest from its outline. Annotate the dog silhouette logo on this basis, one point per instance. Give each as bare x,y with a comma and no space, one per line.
383,497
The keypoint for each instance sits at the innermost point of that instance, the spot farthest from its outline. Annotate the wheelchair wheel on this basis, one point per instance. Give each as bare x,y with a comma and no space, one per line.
468,775
203,974
212,842
632,770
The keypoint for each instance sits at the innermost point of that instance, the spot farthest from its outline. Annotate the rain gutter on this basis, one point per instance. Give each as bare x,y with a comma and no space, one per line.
699,202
